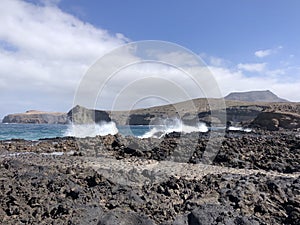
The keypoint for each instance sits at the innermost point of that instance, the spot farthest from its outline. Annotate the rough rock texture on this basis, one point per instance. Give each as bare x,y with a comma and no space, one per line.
123,218
258,116
118,180
237,112
270,151
276,151
235,115
276,120
255,96
208,214
140,119
81,115
39,189
38,117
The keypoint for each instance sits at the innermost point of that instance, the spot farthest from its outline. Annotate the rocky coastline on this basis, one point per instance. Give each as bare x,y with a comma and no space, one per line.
271,116
36,117
254,178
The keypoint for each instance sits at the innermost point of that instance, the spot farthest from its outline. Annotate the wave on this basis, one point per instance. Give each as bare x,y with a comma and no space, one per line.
91,130
173,125
232,128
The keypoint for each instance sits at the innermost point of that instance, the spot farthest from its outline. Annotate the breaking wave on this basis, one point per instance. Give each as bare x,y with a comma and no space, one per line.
173,125
232,128
91,130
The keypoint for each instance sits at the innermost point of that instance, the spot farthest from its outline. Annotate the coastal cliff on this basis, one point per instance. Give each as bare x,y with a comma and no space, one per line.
37,117
82,115
252,112
267,116
264,115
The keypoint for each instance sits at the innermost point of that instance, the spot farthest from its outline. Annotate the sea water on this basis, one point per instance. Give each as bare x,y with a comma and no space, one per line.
31,131
39,131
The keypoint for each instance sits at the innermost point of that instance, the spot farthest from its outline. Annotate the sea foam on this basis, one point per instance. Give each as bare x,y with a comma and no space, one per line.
232,128
173,125
91,130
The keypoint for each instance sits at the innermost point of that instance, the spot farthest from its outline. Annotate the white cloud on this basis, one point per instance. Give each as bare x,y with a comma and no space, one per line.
230,80
144,80
252,67
267,52
44,52
175,57
213,60
263,53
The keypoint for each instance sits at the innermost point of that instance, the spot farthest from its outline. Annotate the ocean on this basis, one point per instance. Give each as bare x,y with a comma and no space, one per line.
39,131
31,131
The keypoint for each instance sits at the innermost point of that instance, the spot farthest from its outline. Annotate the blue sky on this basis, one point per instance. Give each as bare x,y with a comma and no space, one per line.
46,46
229,29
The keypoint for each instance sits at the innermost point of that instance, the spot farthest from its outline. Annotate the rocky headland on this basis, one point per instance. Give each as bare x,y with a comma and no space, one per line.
36,117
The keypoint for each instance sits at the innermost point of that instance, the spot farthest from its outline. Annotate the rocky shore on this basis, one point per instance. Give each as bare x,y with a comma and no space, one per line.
252,179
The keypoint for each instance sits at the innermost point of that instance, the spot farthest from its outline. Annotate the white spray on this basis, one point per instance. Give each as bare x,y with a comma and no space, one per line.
91,130
174,125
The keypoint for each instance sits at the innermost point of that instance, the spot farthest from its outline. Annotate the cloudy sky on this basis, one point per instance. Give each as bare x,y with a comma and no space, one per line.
47,46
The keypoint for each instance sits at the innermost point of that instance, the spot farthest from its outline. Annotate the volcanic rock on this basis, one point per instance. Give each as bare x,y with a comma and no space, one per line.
82,115
275,120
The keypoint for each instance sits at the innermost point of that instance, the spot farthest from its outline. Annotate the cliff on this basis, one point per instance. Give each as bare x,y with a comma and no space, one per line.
275,120
82,115
265,115
37,117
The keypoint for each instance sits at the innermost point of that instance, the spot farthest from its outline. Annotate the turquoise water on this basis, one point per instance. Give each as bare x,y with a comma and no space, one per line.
38,131
31,131
137,130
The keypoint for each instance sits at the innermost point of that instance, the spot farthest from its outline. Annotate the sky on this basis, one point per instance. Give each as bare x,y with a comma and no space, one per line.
47,46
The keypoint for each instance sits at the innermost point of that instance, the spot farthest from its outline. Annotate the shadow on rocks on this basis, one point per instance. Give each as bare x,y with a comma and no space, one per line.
208,214
123,218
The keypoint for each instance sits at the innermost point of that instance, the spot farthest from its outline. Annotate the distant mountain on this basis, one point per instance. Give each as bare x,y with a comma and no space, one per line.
255,96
